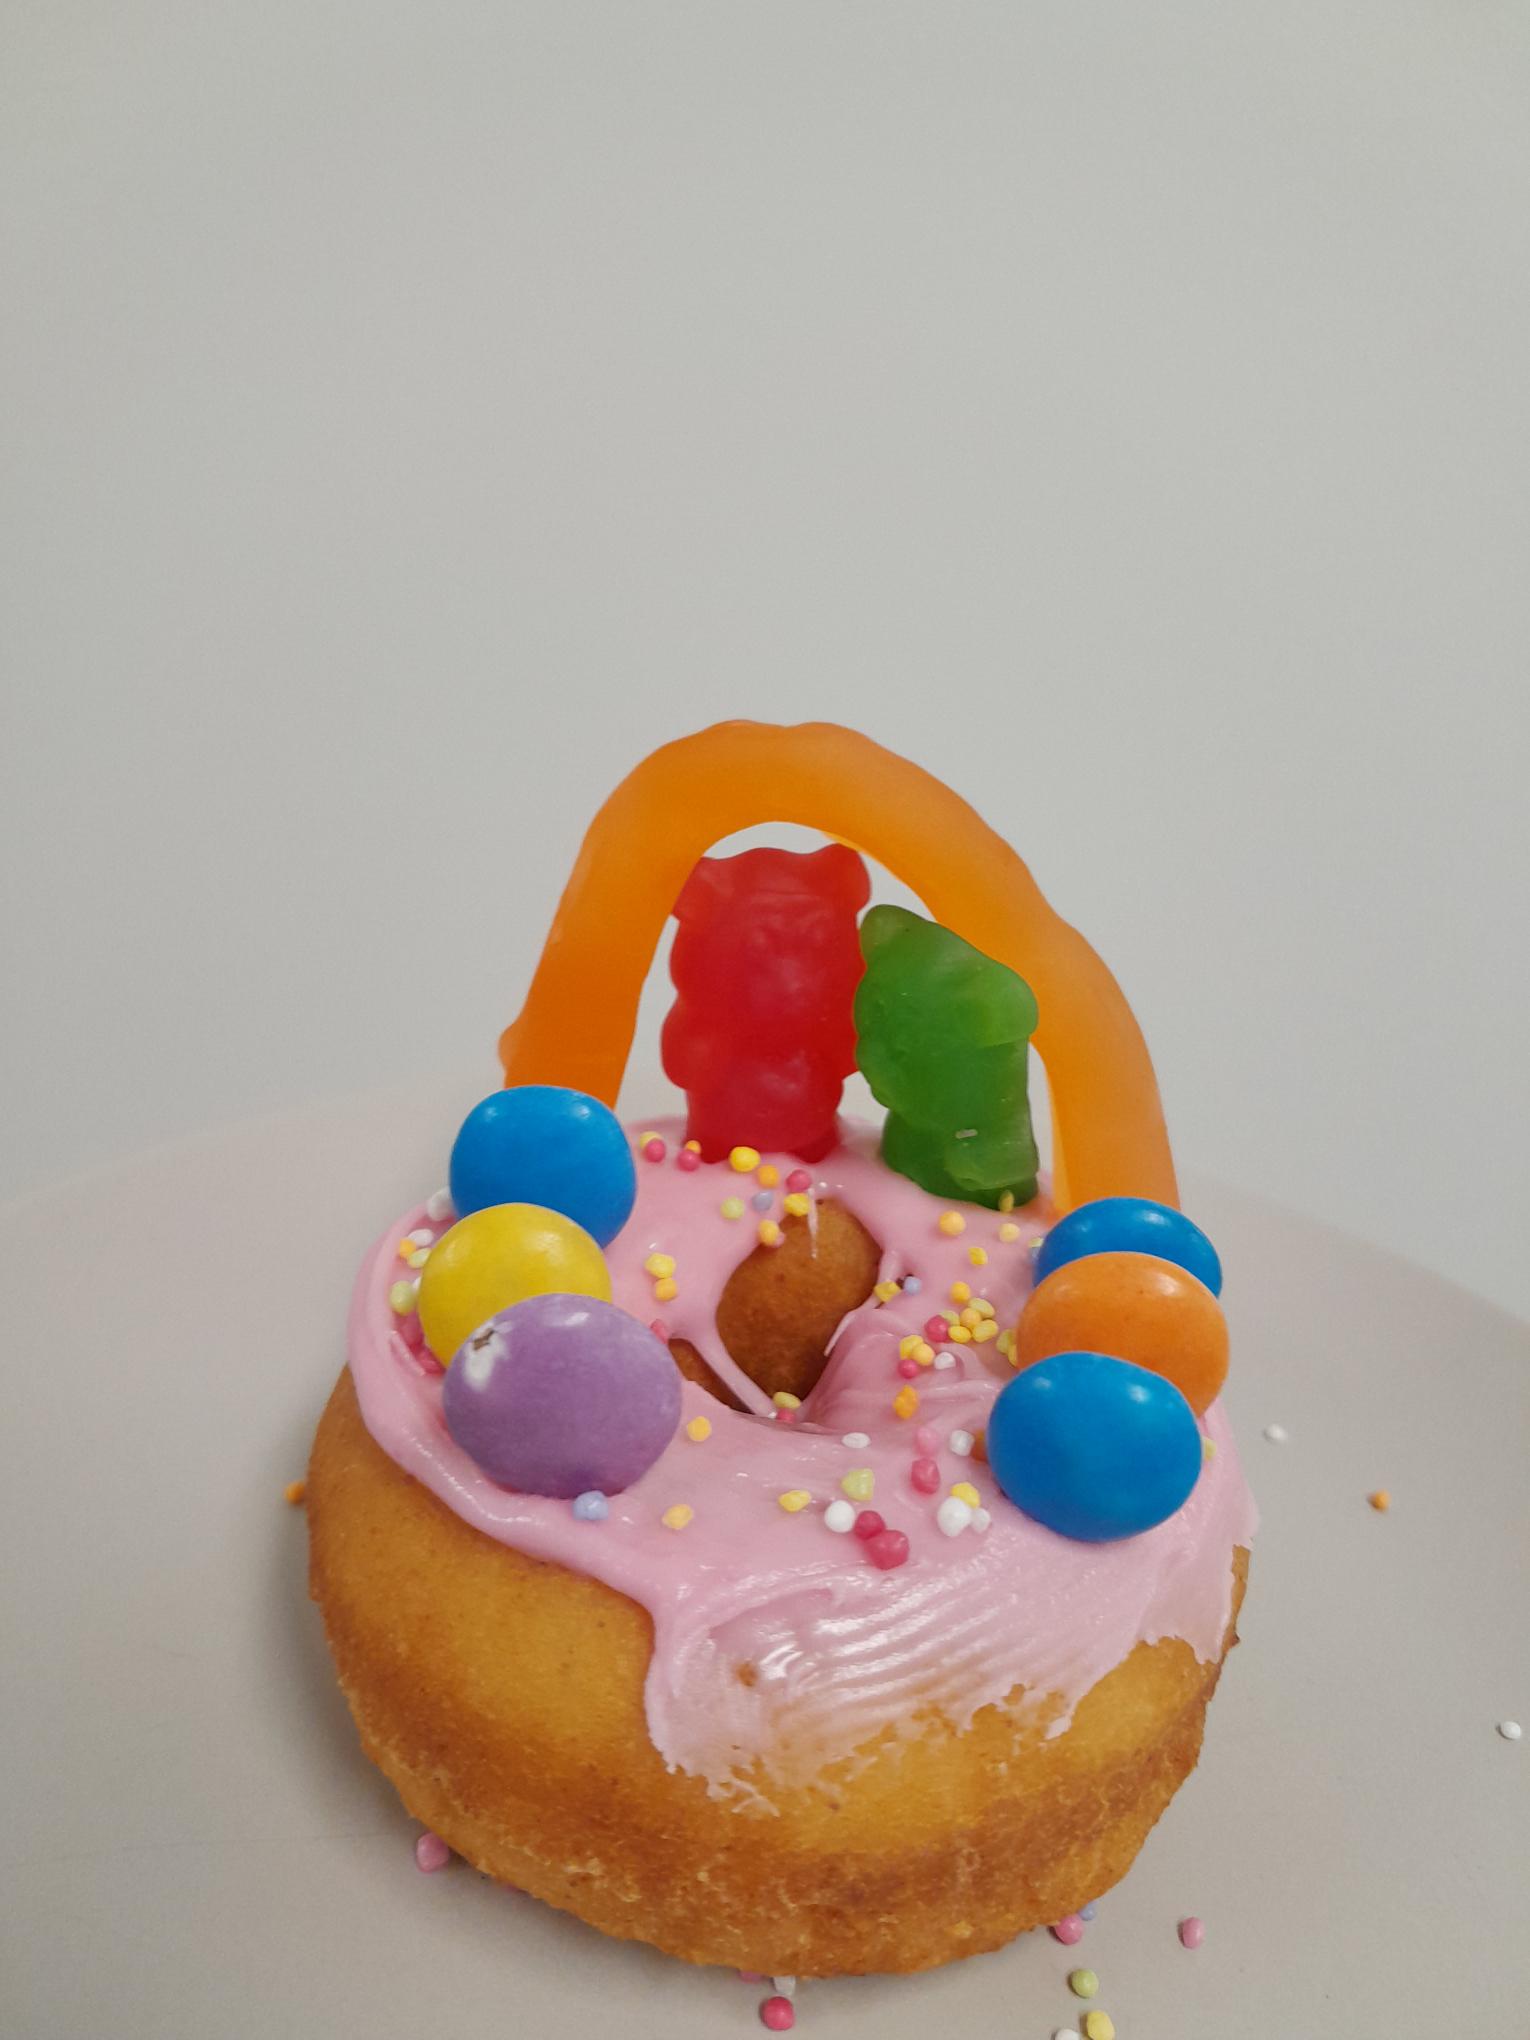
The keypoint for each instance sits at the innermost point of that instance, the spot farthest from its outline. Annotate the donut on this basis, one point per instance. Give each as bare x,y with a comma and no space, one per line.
814,1694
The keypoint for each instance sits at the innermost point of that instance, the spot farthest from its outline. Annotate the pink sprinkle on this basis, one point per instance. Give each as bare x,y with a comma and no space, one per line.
412,1333
799,1180
687,1160
777,2014
925,1475
1069,1928
1192,1932
908,1369
787,1416
936,1328
654,1150
869,1524
927,1440
431,1853
660,1330
750,1976
889,1548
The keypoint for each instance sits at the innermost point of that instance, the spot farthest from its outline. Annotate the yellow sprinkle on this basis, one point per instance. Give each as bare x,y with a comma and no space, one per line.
884,1291
858,1483
785,1400
1099,2026
694,1146
732,1207
644,1138
794,1499
1006,1200
677,1515
798,1204
698,1430
419,1257
952,1224
406,1247
984,1330
905,1402
665,1289
1381,1499
961,1292
768,1175
1009,1231
982,1306
978,1256
294,1492
659,1264
971,1318
770,1233
1208,1448
964,1491
401,1298
924,1353
961,1335
744,1159
1006,1340
906,1346
1083,1982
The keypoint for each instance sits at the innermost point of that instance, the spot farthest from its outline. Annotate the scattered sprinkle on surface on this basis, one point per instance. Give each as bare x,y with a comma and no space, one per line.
1276,1433
1099,2026
785,1400
1380,1500
1083,1982
732,1207
777,2014
1192,1932
1009,1231
666,1289
1510,1731
294,1492
1069,1929
767,1175
431,1853
591,1506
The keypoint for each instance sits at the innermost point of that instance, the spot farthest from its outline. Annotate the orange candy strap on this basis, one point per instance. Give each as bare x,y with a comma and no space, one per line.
576,1027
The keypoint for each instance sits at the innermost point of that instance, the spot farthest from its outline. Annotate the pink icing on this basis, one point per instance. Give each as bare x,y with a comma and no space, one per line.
839,1650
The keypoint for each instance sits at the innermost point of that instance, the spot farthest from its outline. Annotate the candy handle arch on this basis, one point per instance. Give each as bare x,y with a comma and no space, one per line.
577,1023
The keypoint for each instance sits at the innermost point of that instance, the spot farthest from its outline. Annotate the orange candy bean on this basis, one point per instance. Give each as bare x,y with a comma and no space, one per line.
1134,1307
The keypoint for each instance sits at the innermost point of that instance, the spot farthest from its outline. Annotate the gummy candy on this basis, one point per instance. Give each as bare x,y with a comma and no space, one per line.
943,1035
766,962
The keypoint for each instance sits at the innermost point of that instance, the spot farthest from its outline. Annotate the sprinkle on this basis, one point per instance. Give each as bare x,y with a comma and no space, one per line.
1009,1231
856,1440
767,1175
912,1285
978,1256
777,2015
1083,1983
1006,1200
438,1205
927,1440
961,1443
401,1298
906,1346
1276,1433
1099,2026
1087,1912
904,1403
1069,1929
1191,1932
732,1207
1380,1500
982,1333
431,1853
868,1524
944,1360
693,1147
796,1205
294,1492
659,1329
954,1516
971,1318
924,1476
591,1506
982,1306
677,1515
698,1430
785,1400
687,1161
762,1200
418,1257
936,1327
745,1160
884,1292
659,1264
961,1334
784,1986
960,1292
799,1179
785,1416
887,1550
794,1500
422,1236
980,1520
1208,1448
858,1483
909,1368
964,1491
839,1517
644,1138
1510,1731
666,1289
770,1233
654,1149
1066,2033
1006,1341
952,1224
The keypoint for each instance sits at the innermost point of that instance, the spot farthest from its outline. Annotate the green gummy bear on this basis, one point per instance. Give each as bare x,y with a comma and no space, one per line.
942,1038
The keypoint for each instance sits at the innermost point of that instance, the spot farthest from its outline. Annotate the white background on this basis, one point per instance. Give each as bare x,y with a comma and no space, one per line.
415,413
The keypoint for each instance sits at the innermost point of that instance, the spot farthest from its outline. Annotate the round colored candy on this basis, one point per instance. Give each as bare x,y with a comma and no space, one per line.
1130,1225
497,1257
563,1395
542,1144
1093,1447
1137,1307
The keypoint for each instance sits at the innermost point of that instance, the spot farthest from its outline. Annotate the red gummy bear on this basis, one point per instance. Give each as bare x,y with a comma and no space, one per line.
766,961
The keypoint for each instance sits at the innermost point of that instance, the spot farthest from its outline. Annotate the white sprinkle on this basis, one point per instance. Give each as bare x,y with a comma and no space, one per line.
422,1236
438,1205
981,1520
1276,1433
1510,1731
943,1361
954,1515
961,1443
784,1986
1065,2033
856,1440
839,1517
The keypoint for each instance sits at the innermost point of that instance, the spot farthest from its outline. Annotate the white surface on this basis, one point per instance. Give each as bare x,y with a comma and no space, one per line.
193,1845
415,413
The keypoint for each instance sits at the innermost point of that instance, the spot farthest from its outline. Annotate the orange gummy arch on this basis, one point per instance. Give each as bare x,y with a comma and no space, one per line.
577,1024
